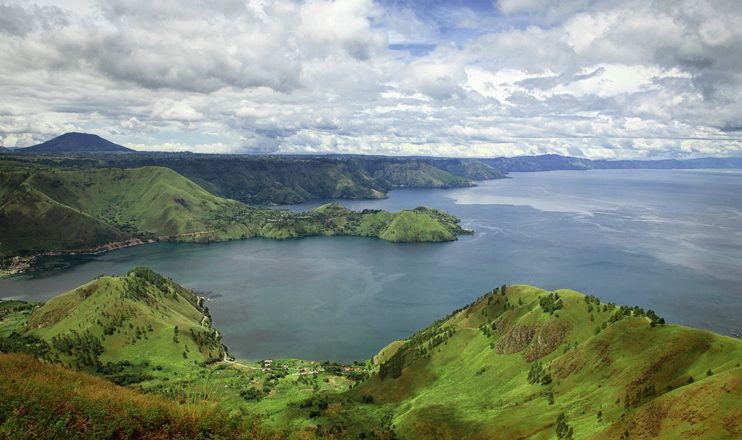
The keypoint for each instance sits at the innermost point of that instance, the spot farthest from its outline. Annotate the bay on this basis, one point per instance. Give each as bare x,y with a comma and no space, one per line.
669,240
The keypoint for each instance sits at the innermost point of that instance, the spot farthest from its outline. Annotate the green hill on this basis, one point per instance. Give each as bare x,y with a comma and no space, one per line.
44,210
141,318
519,362
421,224
43,401
265,180
508,365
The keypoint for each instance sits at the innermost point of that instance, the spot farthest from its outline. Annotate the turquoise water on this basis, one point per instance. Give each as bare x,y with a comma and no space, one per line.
666,240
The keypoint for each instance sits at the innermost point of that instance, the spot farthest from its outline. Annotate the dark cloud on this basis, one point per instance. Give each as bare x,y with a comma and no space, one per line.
18,20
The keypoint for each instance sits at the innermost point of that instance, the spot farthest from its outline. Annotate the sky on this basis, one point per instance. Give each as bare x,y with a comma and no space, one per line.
607,79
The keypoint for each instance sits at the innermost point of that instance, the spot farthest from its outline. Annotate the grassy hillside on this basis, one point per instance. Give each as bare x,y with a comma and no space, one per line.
45,210
417,225
264,180
508,365
142,318
31,221
152,200
45,401
519,362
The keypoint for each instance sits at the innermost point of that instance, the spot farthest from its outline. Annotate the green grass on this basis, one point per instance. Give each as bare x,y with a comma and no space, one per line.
266,180
45,401
86,210
134,317
475,385
505,366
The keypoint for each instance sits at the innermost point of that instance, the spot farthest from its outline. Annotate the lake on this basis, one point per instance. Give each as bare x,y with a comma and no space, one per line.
668,240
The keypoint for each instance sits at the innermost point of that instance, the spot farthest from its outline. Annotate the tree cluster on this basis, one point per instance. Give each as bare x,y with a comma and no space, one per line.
550,303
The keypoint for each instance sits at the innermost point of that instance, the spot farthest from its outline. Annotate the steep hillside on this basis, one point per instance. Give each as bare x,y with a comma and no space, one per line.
142,318
519,362
77,143
264,180
474,169
150,200
45,210
508,365
50,210
412,174
43,401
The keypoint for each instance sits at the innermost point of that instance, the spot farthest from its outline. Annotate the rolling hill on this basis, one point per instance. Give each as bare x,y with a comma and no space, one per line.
510,364
53,210
519,362
265,180
76,143
56,401
134,329
142,318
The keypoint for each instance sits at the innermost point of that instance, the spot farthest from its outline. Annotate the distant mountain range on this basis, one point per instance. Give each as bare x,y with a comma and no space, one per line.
469,168
77,143
554,162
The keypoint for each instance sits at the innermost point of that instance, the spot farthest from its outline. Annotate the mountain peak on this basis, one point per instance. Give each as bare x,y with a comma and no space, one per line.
74,142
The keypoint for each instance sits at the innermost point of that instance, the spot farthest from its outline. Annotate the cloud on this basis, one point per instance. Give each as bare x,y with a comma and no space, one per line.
608,79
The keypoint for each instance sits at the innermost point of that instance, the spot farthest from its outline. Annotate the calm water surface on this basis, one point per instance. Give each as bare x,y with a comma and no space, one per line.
666,240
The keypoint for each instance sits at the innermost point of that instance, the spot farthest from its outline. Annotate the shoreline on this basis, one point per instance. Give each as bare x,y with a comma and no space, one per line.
23,264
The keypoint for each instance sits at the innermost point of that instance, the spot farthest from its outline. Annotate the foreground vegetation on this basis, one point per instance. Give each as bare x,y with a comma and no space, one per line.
519,362
50,210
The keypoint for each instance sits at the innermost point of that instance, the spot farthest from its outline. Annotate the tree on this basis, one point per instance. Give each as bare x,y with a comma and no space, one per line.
563,430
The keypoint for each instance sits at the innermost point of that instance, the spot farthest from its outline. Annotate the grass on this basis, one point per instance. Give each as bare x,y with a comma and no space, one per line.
52,210
142,318
262,180
46,401
505,366
475,384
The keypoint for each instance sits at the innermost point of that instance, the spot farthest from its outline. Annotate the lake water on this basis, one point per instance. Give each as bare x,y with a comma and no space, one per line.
666,240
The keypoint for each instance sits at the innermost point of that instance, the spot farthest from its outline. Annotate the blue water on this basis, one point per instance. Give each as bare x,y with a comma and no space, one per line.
666,240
